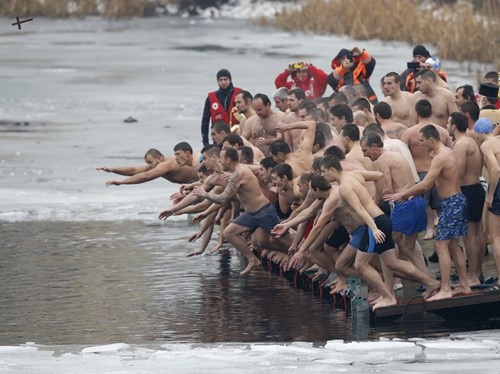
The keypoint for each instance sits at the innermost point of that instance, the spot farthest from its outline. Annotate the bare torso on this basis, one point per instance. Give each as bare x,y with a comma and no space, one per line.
401,106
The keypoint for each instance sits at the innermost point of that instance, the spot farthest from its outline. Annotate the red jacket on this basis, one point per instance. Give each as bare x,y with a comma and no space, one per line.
314,85
218,112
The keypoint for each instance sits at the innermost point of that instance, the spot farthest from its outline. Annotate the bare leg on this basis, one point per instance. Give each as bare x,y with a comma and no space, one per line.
475,253
445,269
408,270
431,216
494,228
459,261
373,280
232,233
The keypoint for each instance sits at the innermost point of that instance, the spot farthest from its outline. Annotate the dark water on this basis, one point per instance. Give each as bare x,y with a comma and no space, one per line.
104,282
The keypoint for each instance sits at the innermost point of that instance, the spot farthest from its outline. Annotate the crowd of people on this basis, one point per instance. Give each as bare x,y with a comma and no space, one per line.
343,185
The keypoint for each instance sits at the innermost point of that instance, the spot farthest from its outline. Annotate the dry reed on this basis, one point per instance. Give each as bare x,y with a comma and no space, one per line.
458,31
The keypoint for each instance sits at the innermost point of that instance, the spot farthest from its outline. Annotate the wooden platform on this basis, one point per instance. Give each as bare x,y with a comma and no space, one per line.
482,304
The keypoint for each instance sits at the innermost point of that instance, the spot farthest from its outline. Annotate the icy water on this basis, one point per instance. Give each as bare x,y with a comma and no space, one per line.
85,265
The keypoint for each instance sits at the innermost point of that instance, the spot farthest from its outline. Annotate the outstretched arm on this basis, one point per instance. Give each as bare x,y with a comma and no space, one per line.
125,170
224,197
161,169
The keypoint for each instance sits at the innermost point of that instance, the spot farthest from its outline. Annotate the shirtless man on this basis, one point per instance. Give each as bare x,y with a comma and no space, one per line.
441,99
376,223
408,218
470,165
302,158
401,102
443,172
259,213
490,148
243,104
423,110
179,168
349,137
365,106
340,115
279,98
294,99
259,129
383,115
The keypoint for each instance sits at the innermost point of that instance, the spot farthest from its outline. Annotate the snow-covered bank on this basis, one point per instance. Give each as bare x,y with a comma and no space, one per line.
479,352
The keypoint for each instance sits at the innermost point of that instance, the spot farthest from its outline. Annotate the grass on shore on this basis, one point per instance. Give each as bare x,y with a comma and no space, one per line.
458,31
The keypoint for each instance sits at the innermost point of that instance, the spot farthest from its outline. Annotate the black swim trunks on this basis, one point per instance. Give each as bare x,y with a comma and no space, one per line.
475,195
363,240
338,237
495,207
431,197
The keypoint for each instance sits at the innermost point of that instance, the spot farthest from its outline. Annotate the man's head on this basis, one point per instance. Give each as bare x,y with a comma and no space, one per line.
243,101
319,142
261,105
280,99
423,108
153,157
420,53
334,151
457,122
372,146
279,150
183,153
375,128
340,115
331,168
304,108
382,111
337,98
303,183
229,158
483,128
224,78
282,176
471,110
294,97
463,94
348,135
391,83
265,168
425,80
246,155
488,94
219,131
320,186
211,157
429,137
232,140
360,118
491,77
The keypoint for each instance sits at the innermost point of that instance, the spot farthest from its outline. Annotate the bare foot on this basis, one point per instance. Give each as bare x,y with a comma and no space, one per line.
383,302
429,234
373,296
195,253
253,263
431,289
375,300
441,295
461,290
473,282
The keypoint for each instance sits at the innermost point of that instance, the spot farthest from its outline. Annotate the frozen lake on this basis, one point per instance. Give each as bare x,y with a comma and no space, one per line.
84,265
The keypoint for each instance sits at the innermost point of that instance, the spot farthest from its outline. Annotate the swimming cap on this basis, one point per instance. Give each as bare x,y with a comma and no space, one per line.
434,61
483,126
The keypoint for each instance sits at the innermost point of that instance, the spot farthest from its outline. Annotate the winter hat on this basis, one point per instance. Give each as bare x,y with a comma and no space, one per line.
421,51
224,73
434,61
488,90
483,125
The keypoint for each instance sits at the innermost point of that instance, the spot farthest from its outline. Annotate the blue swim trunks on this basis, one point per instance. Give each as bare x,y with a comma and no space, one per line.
452,217
265,218
409,217
363,240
